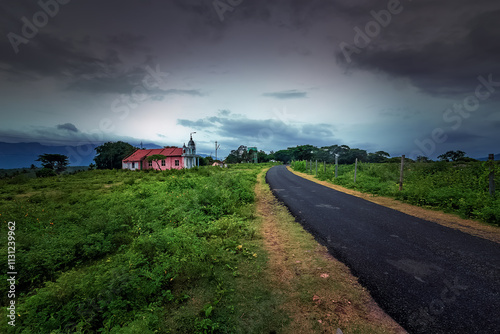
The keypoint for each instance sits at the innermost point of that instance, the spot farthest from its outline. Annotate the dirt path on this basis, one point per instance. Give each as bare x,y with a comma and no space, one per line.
318,292
469,226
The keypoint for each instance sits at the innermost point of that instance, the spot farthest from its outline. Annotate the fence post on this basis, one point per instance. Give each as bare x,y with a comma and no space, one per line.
316,168
336,165
401,172
324,167
491,160
355,169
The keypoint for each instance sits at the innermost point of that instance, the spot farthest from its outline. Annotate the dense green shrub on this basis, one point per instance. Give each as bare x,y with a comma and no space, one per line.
45,172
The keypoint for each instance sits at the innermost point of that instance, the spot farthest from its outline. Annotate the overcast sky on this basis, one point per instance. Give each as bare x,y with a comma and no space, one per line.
408,77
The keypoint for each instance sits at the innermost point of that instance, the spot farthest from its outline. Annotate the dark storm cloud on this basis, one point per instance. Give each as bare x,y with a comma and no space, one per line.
101,83
12,13
199,8
53,136
128,42
197,125
287,94
466,141
67,126
269,132
461,138
441,46
295,14
292,15
50,56
125,82
399,113
190,92
318,130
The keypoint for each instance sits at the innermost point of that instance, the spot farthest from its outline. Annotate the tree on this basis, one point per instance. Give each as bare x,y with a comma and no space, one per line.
324,154
206,161
379,156
284,156
262,156
238,155
398,160
156,158
45,172
452,155
55,162
110,154
422,158
351,155
303,152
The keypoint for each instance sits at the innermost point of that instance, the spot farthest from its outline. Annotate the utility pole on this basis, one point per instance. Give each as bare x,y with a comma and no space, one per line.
401,172
216,148
355,169
336,164
491,161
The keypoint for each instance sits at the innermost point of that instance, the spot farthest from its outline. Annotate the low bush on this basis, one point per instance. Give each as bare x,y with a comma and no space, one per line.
45,172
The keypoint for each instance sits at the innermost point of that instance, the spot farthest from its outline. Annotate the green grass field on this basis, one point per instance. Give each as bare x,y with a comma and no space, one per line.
126,252
118,251
460,188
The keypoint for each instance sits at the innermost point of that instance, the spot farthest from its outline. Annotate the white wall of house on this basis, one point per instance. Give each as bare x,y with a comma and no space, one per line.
130,165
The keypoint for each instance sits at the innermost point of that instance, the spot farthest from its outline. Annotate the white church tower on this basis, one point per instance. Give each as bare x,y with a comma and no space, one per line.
189,153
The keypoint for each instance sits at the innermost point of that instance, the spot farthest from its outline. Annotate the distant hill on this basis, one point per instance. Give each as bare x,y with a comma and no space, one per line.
497,157
146,146
20,155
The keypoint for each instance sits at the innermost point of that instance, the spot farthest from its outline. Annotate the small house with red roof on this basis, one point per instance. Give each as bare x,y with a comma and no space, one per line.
175,158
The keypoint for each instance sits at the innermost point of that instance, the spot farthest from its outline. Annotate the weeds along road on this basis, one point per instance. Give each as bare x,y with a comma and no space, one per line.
429,278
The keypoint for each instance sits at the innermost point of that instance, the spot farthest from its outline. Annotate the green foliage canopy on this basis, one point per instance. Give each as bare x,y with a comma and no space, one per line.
239,155
452,155
55,162
110,154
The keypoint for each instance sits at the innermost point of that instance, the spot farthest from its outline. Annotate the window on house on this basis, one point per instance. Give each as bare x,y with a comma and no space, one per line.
133,164
163,162
177,162
150,163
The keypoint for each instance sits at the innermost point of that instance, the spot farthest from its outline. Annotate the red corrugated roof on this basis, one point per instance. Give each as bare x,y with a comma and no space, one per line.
141,154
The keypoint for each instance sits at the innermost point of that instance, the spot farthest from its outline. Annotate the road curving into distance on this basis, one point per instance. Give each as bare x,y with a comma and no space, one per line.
428,277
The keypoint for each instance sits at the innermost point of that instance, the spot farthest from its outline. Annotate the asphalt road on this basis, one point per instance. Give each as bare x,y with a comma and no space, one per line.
429,278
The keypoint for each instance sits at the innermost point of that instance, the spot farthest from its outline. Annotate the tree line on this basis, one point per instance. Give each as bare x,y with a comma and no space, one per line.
110,155
344,154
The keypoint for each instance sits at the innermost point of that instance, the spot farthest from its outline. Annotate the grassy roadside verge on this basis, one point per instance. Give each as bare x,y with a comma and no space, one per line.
469,226
319,293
